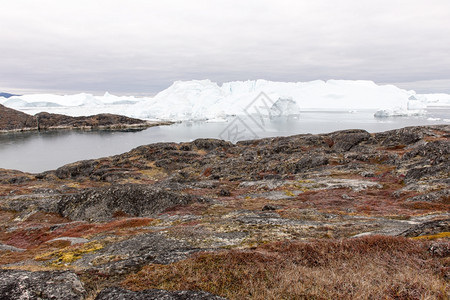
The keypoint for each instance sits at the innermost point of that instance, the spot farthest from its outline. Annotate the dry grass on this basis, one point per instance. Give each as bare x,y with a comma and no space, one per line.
119,226
366,268
427,206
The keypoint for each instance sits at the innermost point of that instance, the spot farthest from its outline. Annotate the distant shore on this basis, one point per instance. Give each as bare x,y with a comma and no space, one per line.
12,121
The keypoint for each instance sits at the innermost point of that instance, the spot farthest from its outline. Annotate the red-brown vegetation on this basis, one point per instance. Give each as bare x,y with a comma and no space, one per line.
30,236
374,267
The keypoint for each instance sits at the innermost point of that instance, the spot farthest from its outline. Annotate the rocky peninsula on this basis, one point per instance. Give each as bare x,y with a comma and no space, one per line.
12,120
344,215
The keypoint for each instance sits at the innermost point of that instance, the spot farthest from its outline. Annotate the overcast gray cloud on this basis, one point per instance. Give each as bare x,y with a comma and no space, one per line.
141,46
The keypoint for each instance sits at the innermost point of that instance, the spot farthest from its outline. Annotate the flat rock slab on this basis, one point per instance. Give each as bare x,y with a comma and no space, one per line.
275,195
264,184
21,285
132,199
72,240
341,183
428,228
4,247
131,254
116,293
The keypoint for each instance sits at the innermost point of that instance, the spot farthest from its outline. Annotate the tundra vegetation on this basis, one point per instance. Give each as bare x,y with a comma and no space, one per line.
344,215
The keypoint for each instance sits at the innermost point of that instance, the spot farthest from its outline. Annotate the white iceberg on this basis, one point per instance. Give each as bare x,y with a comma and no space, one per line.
15,102
414,107
398,112
416,104
436,99
207,100
204,99
284,107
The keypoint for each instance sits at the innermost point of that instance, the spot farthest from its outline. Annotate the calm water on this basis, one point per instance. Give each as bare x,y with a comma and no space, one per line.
37,152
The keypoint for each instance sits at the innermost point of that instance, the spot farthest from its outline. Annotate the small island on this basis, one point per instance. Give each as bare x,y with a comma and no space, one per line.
12,120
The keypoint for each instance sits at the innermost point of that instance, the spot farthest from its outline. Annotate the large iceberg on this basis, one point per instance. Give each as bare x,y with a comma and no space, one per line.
204,99
207,100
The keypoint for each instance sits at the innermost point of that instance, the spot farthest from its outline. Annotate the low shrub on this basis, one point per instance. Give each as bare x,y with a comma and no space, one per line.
375,267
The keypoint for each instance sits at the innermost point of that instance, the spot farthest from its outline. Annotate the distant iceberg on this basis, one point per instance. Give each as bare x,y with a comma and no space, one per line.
436,99
415,104
385,113
15,102
284,107
207,100
414,107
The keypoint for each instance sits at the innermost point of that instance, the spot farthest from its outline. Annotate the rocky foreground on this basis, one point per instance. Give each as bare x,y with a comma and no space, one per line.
343,215
15,121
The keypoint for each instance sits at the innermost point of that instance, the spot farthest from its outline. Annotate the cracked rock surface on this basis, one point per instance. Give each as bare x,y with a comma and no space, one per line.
24,285
88,226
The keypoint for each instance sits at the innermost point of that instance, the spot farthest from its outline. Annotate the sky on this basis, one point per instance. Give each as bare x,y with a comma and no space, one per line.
139,47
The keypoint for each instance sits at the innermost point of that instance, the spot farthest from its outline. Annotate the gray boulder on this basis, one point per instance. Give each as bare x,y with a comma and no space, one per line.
116,293
131,199
344,140
21,285
428,228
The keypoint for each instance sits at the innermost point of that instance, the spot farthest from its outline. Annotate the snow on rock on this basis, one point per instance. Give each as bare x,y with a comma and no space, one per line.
207,100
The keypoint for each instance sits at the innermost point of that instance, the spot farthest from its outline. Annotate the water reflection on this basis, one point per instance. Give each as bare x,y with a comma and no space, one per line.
40,151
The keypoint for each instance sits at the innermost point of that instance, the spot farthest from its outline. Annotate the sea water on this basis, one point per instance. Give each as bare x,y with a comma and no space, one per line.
40,151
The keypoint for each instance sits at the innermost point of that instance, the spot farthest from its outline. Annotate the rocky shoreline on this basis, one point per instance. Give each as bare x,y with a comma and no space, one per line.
15,121
261,219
